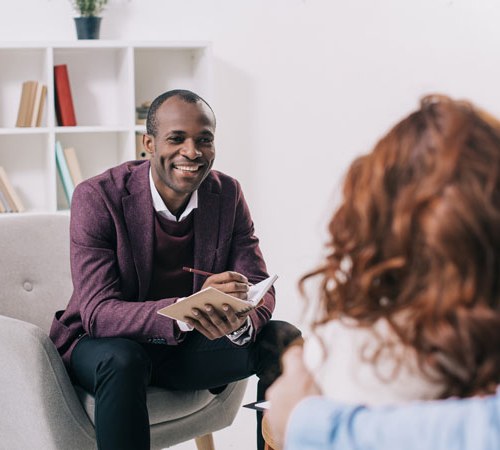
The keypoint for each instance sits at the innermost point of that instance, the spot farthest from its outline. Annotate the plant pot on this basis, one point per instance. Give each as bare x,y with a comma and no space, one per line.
88,27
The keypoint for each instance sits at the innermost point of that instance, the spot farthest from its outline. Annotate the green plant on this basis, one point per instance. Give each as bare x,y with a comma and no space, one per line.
89,8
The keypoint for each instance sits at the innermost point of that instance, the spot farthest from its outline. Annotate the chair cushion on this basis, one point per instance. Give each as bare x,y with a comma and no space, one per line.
163,405
35,276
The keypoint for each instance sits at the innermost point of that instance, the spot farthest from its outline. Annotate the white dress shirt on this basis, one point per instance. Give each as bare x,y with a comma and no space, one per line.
244,333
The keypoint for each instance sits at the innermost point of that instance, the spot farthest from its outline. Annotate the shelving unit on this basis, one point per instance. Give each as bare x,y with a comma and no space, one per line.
108,80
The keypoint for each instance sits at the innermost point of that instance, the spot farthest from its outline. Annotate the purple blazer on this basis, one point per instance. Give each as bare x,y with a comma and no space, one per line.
111,249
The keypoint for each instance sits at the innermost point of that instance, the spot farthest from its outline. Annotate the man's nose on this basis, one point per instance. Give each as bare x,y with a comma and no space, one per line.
189,149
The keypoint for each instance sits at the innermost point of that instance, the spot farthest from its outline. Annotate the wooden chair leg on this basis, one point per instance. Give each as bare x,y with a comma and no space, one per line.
205,442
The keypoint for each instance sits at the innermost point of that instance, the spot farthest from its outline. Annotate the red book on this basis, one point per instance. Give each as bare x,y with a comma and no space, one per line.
65,112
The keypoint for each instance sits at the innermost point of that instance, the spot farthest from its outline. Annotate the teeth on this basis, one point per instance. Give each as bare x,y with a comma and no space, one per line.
188,168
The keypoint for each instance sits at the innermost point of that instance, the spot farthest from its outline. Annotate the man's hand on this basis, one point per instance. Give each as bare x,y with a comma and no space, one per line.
232,283
295,384
214,324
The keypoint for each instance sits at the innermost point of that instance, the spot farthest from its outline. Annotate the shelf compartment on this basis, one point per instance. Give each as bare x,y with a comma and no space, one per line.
99,79
30,171
18,66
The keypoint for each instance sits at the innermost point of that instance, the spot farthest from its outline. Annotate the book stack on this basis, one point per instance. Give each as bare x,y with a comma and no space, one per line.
68,168
31,105
9,200
65,112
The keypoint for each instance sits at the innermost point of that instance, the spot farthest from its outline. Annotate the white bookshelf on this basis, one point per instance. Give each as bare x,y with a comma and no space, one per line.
108,80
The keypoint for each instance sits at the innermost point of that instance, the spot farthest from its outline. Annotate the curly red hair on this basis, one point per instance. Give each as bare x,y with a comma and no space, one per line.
418,232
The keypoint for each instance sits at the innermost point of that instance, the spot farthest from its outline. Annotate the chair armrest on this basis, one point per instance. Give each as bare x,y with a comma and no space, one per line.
40,406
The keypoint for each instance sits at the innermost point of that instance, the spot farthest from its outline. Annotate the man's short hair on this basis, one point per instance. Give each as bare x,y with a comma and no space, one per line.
187,96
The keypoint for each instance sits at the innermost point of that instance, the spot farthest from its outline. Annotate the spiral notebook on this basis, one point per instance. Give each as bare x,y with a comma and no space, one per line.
217,298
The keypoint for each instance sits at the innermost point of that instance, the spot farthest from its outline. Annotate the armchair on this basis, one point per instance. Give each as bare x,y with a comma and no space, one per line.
41,408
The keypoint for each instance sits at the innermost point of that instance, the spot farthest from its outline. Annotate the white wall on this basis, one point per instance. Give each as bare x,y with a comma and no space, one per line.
302,86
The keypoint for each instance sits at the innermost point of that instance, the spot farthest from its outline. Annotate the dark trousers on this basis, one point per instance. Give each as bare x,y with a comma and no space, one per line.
118,370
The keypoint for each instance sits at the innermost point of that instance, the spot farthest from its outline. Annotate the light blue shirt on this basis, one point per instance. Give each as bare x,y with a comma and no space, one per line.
318,423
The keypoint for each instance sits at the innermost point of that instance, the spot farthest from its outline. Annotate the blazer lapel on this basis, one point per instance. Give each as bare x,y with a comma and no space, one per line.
139,220
206,232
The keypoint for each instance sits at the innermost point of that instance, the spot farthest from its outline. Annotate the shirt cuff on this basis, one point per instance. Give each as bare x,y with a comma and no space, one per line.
183,326
242,335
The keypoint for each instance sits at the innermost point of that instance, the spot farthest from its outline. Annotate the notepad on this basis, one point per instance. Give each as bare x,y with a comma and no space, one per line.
216,298
259,406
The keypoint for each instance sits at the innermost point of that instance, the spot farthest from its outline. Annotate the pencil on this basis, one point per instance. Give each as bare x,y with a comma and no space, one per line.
202,272
199,272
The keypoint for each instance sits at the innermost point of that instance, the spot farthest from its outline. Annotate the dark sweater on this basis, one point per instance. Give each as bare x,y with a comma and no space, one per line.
174,249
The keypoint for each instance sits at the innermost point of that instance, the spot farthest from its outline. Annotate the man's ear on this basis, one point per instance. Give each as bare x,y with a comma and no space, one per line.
148,142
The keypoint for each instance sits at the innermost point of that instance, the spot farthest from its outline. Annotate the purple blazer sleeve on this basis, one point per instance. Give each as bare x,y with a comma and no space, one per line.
104,274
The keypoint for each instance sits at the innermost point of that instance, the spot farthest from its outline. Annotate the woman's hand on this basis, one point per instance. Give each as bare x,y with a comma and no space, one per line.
295,384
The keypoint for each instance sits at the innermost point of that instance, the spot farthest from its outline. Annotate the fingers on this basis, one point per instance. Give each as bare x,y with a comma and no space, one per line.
232,283
207,327
214,324
228,277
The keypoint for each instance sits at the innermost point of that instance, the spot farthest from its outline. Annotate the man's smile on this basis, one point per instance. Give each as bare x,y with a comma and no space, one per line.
188,167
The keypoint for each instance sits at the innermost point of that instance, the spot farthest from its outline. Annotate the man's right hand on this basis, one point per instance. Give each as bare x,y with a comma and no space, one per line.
215,324
232,283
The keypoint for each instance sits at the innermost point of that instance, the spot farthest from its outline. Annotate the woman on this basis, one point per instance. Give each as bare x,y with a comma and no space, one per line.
410,290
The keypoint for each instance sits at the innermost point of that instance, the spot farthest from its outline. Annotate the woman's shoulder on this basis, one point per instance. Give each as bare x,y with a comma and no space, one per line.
357,368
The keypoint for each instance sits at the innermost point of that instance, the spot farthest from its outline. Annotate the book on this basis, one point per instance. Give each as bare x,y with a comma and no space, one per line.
34,87
73,165
65,111
4,205
37,97
39,107
23,105
9,192
64,174
6,199
26,104
216,298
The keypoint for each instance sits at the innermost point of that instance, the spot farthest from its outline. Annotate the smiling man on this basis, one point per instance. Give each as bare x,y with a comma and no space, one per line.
133,229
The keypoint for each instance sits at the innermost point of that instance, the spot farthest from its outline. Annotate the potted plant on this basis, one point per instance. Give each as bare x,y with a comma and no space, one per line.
89,22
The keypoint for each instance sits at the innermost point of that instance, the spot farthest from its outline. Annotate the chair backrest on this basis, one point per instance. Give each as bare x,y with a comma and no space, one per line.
35,278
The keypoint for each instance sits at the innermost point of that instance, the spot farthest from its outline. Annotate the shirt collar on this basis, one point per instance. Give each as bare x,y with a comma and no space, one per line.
161,208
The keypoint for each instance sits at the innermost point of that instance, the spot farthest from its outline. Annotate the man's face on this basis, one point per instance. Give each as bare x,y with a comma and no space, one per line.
182,152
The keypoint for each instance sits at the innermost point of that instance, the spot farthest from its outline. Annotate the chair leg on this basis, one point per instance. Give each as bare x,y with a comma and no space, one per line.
205,442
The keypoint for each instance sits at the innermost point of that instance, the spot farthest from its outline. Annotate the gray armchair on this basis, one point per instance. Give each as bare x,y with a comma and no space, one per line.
40,407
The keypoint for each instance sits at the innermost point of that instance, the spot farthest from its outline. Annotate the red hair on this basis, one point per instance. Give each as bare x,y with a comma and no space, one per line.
418,231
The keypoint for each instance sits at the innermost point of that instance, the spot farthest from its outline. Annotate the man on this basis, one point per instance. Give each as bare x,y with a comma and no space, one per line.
301,418
133,229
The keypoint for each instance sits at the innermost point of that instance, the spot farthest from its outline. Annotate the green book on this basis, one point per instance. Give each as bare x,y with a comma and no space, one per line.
63,169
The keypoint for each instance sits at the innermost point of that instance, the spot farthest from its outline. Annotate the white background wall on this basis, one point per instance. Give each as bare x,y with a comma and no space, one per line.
302,86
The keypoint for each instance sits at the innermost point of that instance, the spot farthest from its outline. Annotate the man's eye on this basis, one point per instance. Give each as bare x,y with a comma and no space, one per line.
205,141
176,139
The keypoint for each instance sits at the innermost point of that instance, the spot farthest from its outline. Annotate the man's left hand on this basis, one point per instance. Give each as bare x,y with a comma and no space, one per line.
214,324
